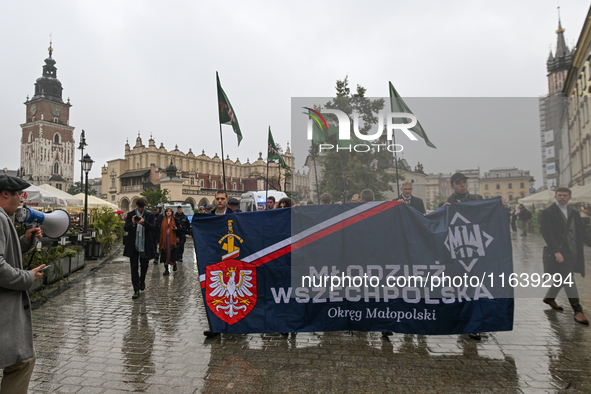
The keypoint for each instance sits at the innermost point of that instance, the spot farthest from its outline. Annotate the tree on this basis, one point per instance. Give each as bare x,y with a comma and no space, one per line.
78,187
157,196
434,204
349,172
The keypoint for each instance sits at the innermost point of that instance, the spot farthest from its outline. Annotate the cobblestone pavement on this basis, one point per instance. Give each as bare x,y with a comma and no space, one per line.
93,338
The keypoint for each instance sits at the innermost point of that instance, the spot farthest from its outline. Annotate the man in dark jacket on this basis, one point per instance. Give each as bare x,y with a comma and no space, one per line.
411,200
459,182
221,203
564,233
183,230
139,225
158,216
524,216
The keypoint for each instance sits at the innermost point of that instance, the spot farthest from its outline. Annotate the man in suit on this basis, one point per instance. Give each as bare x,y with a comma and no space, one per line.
139,225
221,203
411,200
17,354
564,233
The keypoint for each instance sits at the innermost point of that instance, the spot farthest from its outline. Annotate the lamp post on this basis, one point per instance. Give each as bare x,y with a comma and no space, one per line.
86,167
81,147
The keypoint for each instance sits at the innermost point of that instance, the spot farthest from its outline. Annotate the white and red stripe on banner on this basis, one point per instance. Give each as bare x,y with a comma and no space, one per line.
315,233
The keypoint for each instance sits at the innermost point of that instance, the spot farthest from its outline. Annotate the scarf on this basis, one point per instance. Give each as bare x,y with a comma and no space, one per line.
140,233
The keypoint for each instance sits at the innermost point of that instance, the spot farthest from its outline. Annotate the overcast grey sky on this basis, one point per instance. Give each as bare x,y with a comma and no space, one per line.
148,66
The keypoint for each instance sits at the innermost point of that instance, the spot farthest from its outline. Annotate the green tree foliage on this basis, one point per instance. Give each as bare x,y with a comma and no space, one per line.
109,228
77,187
157,196
434,204
346,173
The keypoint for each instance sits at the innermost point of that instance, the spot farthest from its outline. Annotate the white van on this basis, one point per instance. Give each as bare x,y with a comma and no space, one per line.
250,200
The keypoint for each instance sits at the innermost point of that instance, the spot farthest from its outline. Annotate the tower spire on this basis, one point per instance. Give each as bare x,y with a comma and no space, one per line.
50,49
561,48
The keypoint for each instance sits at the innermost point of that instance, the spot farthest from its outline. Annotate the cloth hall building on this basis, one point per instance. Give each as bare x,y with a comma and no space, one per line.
189,178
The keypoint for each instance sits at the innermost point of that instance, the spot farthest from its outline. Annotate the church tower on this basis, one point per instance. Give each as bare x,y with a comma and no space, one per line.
555,155
47,140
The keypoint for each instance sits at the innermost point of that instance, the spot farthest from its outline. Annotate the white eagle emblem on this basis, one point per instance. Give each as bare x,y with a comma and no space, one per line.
230,297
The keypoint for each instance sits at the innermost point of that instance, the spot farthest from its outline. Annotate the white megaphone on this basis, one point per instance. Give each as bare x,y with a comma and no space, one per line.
54,224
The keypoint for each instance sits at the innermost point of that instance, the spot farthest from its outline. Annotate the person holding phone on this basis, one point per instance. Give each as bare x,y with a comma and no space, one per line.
17,354
139,225
168,240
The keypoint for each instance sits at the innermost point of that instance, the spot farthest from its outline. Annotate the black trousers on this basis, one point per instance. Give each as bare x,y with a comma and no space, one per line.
181,248
137,278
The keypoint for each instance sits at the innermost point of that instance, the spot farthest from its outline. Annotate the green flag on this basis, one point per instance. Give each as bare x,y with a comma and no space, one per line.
227,114
398,105
322,126
273,153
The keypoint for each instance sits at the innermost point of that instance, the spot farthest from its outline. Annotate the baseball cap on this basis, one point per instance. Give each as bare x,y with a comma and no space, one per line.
457,176
202,207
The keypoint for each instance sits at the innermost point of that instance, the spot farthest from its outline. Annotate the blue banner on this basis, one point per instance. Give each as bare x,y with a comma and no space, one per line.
377,266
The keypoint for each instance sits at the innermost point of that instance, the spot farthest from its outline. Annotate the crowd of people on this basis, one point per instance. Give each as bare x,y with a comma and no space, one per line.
160,236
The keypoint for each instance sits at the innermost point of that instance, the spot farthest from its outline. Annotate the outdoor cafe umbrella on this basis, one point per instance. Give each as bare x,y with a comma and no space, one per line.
34,196
70,199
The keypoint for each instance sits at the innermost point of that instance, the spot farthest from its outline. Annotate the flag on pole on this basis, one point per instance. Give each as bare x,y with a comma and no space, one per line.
322,126
226,112
397,104
273,153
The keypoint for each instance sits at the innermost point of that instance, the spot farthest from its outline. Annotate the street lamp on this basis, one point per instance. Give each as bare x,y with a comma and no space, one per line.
86,167
81,147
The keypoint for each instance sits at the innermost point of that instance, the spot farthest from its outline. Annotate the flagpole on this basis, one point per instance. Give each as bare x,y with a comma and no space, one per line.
223,163
396,163
267,180
315,172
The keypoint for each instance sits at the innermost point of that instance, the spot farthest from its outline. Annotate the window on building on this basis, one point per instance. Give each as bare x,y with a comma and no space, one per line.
213,184
55,120
192,181
56,168
522,194
113,182
58,186
113,199
30,136
56,138
510,185
486,186
201,182
522,185
509,175
497,175
234,185
498,186
428,194
510,197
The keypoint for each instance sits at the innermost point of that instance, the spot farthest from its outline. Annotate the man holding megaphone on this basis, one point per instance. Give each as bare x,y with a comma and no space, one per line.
17,355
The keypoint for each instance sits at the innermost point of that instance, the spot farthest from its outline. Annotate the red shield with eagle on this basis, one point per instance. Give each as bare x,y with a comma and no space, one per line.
231,289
